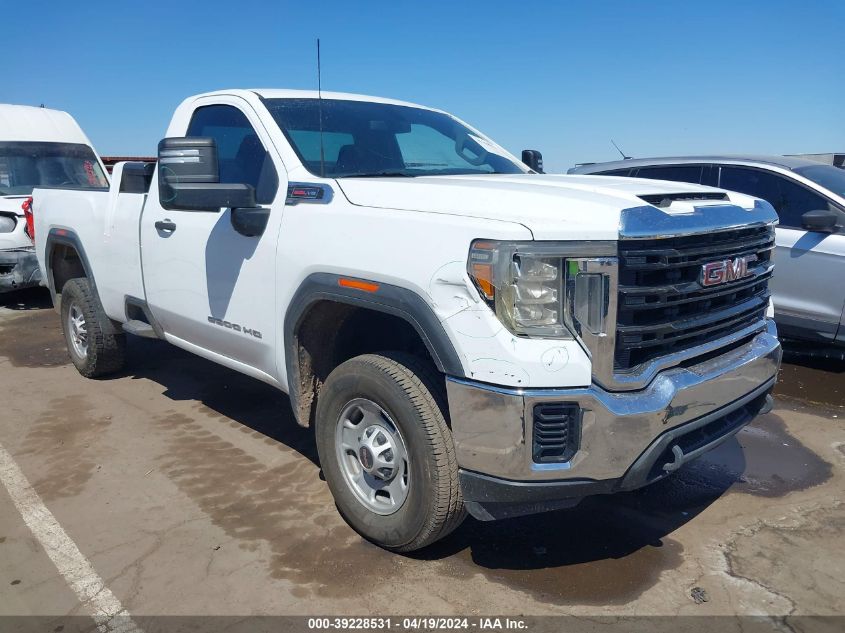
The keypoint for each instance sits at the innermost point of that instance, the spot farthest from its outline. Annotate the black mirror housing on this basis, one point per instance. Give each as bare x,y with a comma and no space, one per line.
189,180
534,159
822,220
192,159
200,196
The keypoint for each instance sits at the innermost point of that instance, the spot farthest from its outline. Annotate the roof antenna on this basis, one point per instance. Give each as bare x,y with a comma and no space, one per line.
619,150
320,110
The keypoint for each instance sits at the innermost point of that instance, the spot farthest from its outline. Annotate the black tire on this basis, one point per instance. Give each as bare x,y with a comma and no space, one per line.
106,345
410,391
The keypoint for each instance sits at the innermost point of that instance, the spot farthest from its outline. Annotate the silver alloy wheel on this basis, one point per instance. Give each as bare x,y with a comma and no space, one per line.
372,456
78,330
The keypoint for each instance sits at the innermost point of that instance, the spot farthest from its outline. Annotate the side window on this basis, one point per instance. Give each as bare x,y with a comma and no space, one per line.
753,182
240,154
797,200
789,199
710,175
678,173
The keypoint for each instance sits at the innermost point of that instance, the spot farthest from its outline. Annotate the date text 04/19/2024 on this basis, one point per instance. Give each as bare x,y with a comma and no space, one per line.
417,623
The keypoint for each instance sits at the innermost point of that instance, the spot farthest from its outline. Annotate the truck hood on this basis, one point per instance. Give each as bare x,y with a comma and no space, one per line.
552,207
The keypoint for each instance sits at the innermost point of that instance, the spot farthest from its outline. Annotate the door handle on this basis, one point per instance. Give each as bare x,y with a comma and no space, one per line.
166,225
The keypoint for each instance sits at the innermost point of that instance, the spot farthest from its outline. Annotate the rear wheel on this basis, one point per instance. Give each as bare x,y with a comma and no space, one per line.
387,452
95,345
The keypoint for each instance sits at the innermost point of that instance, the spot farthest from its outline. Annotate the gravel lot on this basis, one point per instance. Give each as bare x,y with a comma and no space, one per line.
190,490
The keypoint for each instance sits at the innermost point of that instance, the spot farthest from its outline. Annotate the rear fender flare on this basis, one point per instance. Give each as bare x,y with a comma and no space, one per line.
64,237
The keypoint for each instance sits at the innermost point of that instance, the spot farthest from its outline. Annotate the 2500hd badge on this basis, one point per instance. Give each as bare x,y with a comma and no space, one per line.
234,326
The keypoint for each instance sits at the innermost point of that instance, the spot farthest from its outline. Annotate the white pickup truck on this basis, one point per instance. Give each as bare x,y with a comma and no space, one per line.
464,333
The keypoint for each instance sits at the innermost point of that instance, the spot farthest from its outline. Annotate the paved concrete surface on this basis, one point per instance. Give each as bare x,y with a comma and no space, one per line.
191,491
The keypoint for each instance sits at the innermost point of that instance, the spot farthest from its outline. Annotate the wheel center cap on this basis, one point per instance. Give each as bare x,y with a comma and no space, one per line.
366,457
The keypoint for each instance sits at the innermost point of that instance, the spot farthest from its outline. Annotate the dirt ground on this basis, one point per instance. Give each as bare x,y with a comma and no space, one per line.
191,490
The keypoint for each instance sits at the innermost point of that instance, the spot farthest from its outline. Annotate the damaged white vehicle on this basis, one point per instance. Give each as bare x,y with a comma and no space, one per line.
465,334
39,147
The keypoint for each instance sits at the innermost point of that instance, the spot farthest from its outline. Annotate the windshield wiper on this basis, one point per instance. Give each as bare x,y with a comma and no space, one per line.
378,174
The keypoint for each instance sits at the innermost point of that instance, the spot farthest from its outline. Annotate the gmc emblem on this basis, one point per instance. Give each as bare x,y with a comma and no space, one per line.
716,273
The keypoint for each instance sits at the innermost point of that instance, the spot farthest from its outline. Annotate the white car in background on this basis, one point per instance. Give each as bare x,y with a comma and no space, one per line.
808,286
39,147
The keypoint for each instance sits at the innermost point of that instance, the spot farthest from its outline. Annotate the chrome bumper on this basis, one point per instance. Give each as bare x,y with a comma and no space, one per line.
492,426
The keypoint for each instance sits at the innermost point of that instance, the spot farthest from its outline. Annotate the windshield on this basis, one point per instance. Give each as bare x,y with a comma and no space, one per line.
362,138
25,165
827,176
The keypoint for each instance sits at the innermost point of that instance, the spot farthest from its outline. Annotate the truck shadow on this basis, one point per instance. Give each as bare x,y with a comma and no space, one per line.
606,550
227,393
610,549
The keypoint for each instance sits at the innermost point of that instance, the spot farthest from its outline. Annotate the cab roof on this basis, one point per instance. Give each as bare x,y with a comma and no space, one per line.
283,93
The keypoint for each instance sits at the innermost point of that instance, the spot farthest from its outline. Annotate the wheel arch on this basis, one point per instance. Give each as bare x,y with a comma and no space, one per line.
321,301
63,243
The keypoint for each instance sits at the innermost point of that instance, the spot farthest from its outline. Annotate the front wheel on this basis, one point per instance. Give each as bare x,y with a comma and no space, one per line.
387,452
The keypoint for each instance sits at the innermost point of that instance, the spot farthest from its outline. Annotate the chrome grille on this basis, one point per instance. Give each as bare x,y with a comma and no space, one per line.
662,307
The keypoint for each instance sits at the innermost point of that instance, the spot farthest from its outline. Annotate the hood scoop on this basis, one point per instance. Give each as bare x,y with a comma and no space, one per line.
648,222
664,200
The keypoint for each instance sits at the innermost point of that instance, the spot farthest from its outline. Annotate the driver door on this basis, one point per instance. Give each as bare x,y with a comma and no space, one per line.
211,287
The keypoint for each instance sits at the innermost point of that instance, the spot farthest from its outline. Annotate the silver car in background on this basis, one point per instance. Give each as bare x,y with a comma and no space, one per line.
809,281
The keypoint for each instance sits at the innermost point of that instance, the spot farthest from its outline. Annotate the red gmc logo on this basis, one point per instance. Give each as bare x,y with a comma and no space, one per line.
716,273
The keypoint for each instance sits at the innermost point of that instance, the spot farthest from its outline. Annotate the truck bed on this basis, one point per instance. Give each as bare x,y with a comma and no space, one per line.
104,225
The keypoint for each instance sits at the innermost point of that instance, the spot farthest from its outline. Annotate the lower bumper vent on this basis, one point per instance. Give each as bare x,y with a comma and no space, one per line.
557,432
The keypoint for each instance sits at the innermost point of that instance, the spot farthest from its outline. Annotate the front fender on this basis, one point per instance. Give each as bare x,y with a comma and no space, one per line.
388,298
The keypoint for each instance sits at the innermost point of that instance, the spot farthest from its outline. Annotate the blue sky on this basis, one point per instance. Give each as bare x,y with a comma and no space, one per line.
563,77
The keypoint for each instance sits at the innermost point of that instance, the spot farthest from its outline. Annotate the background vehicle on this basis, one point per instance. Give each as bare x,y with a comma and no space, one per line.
835,159
810,255
464,334
38,148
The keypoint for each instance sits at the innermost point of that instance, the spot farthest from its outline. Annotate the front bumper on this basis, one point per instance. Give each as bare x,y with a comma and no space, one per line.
18,269
627,439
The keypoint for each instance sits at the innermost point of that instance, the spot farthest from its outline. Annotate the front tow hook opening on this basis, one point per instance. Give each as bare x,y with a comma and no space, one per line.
679,460
722,430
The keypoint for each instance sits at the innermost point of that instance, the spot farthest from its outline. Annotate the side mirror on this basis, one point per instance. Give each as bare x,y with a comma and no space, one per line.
533,159
189,180
823,221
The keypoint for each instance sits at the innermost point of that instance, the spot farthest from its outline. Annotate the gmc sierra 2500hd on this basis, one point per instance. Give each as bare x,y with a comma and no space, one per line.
464,334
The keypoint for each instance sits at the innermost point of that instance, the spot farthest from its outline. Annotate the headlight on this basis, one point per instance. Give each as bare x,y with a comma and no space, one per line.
537,290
